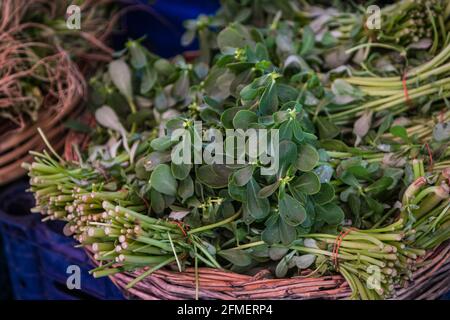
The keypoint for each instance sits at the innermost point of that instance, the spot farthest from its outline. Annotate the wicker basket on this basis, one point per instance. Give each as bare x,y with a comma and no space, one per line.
67,87
15,144
429,282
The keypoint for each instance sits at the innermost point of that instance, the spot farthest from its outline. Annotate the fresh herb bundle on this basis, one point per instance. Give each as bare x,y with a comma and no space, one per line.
129,201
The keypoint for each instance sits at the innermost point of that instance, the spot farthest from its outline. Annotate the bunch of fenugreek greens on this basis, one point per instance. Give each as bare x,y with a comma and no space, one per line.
346,196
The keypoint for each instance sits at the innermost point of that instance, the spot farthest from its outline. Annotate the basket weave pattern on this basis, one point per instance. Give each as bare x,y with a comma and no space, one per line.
429,282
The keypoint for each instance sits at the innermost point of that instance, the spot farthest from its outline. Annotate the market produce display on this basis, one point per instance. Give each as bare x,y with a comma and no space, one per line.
357,119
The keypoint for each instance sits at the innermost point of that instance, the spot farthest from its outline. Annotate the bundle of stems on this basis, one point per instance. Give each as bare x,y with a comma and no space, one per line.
403,23
427,210
114,224
421,128
376,261
396,94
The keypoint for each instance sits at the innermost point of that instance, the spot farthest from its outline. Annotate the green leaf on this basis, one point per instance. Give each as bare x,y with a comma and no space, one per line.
228,116
186,188
249,92
286,93
141,172
342,88
230,38
325,195
308,157
137,52
308,40
271,234
164,67
152,160
107,117
187,38
121,77
398,131
276,253
269,100
236,192
157,201
291,211
243,175
349,179
334,145
149,78
308,183
385,125
374,205
280,116
299,135
161,102
379,186
210,177
330,213
286,130
360,172
237,257
163,181
328,40
287,232
267,191
304,261
180,171
298,195
288,154
161,143
258,208
327,129
354,202
261,52
282,268
243,118
181,86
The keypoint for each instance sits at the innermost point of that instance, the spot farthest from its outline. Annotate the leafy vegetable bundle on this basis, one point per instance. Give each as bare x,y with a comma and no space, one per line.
330,206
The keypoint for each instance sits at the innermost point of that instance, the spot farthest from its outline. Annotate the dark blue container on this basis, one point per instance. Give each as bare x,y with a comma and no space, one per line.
5,283
161,22
38,254
20,250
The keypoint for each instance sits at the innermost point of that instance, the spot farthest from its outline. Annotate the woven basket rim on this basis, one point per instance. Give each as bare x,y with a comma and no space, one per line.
15,146
429,282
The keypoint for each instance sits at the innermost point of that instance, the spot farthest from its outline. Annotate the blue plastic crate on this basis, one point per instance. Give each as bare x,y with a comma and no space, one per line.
56,266
49,235
38,254
5,283
19,247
